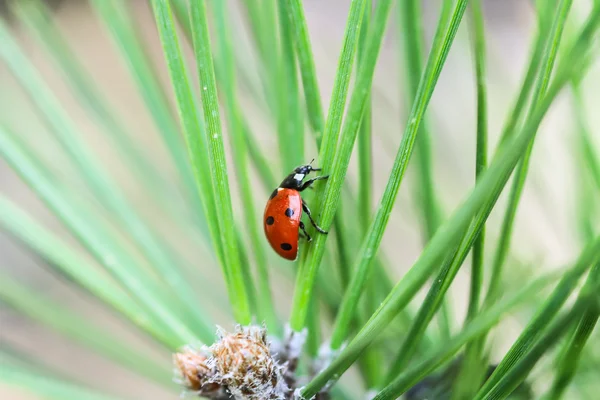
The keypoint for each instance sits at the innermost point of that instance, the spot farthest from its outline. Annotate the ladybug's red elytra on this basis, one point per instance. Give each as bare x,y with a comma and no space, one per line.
283,212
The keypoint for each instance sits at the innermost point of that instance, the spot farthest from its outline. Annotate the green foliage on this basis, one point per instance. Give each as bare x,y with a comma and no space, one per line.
75,328
375,232
295,12
312,257
480,324
571,353
265,310
50,387
150,254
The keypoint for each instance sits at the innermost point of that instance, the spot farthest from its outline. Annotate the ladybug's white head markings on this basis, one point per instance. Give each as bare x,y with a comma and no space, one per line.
299,177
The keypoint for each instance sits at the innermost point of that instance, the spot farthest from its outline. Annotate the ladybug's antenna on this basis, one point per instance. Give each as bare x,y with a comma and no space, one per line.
311,167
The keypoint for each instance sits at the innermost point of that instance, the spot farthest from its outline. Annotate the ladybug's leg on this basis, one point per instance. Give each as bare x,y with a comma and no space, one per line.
311,181
308,238
312,221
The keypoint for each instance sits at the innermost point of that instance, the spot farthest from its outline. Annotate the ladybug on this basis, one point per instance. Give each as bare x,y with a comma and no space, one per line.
281,220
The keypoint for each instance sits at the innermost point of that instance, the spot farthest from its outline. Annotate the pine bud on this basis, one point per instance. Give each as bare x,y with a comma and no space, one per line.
243,363
194,373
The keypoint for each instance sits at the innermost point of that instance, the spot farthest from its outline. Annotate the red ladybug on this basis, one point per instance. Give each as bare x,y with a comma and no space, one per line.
284,210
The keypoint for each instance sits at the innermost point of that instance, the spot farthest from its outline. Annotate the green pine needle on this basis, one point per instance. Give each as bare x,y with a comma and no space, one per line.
482,323
202,140
544,316
414,51
375,233
266,310
71,264
243,82
122,266
541,84
119,21
312,95
217,162
74,327
311,257
573,349
290,121
47,386
444,239
101,184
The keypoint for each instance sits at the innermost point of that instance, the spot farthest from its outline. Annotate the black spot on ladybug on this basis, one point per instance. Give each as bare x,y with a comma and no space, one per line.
273,194
289,212
270,220
286,246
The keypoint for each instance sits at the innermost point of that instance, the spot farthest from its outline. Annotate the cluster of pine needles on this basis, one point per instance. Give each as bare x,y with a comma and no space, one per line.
151,255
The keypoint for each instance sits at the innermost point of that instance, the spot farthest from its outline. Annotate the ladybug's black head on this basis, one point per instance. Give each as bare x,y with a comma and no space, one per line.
294,180
304,169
